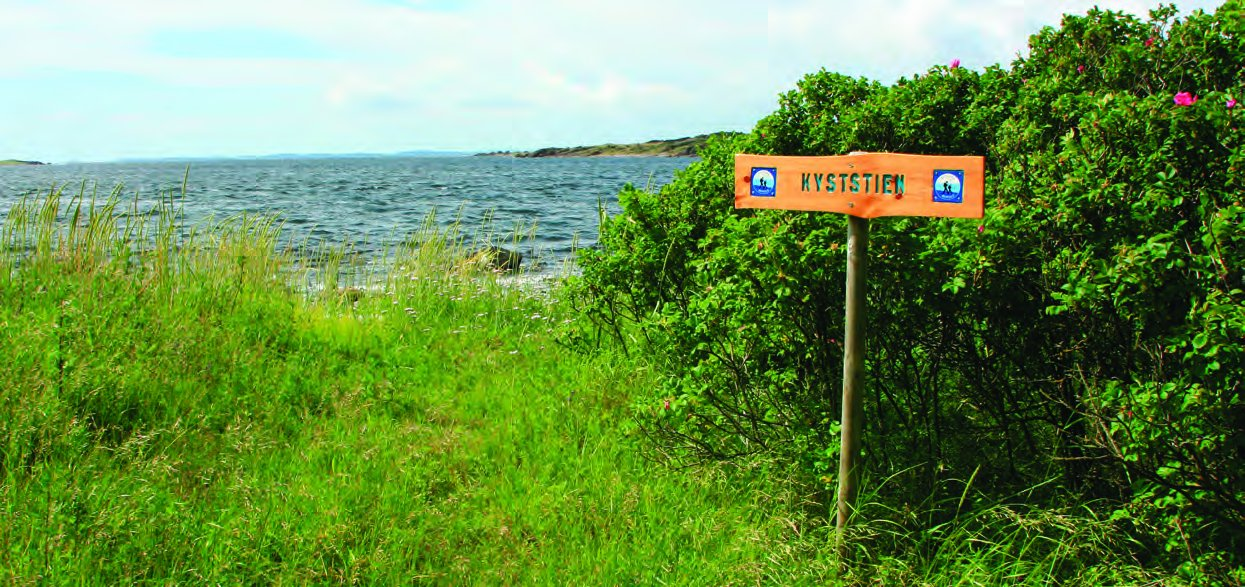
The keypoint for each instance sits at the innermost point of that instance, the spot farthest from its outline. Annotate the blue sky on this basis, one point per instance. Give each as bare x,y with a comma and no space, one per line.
87,80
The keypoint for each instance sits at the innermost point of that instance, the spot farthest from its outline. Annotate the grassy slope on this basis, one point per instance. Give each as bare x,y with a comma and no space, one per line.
7,162
206,425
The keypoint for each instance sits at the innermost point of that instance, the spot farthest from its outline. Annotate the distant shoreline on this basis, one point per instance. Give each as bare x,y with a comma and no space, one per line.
16,162
684,147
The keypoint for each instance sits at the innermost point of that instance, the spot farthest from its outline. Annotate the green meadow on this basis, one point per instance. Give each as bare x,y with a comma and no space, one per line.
173,411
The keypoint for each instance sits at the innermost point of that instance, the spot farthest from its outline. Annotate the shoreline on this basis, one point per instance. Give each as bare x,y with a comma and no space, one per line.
681,147
527,155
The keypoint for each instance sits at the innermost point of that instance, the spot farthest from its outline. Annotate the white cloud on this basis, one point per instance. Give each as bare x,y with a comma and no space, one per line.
888,39
475,73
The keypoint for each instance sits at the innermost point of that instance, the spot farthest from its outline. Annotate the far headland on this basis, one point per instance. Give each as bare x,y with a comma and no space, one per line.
684,147
10,162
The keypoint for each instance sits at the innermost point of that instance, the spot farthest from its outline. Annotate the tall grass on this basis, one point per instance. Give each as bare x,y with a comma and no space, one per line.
959,536
177,408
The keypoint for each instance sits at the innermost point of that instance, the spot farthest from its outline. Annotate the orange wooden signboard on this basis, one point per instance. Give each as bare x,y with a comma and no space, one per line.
863,185
866,185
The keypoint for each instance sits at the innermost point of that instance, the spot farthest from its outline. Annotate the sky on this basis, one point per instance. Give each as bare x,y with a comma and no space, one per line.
96,80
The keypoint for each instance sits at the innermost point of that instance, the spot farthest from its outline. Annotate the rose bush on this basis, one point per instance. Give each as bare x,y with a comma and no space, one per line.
1092,325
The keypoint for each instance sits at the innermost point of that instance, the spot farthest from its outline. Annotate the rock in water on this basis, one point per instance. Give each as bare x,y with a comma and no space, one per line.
350,294
497,258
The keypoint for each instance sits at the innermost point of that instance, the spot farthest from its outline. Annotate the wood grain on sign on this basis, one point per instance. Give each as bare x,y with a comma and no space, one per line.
866,185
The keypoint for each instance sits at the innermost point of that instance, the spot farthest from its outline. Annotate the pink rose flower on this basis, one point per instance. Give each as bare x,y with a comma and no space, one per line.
1150,42
955,63
1080,69
1184,99
1231,103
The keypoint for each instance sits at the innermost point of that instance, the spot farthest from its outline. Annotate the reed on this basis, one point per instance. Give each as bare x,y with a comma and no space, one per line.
220,404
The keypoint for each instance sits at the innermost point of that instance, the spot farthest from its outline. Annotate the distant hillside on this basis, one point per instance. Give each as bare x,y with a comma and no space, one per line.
4,162
684,147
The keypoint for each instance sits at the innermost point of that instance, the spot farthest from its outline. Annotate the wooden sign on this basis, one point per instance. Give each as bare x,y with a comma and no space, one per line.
866,185
863,185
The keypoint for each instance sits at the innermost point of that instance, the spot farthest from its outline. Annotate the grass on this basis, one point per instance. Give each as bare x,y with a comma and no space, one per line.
172,410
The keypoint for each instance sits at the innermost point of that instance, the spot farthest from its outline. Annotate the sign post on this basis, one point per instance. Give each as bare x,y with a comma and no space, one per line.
863,186
853,367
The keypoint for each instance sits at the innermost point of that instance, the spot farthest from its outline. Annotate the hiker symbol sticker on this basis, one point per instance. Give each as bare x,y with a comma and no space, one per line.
764,182
949,186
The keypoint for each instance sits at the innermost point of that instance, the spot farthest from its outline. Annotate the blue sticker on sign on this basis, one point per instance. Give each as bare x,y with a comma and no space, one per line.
949,186
764,182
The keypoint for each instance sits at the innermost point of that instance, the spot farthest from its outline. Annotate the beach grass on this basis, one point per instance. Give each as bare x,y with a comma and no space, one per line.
174,410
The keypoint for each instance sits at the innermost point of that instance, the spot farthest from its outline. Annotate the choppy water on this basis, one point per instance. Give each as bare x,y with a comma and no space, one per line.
371,201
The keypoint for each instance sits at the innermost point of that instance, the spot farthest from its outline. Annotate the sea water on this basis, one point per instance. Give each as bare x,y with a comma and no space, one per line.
369,202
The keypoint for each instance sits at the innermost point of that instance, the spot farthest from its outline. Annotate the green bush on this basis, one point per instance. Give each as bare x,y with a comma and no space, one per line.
1089,328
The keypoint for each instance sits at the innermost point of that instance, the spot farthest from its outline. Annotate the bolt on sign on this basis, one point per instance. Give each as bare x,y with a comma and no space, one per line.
866,185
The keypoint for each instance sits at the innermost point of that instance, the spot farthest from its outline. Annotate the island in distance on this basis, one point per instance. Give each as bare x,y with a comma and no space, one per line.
684,147
8,162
